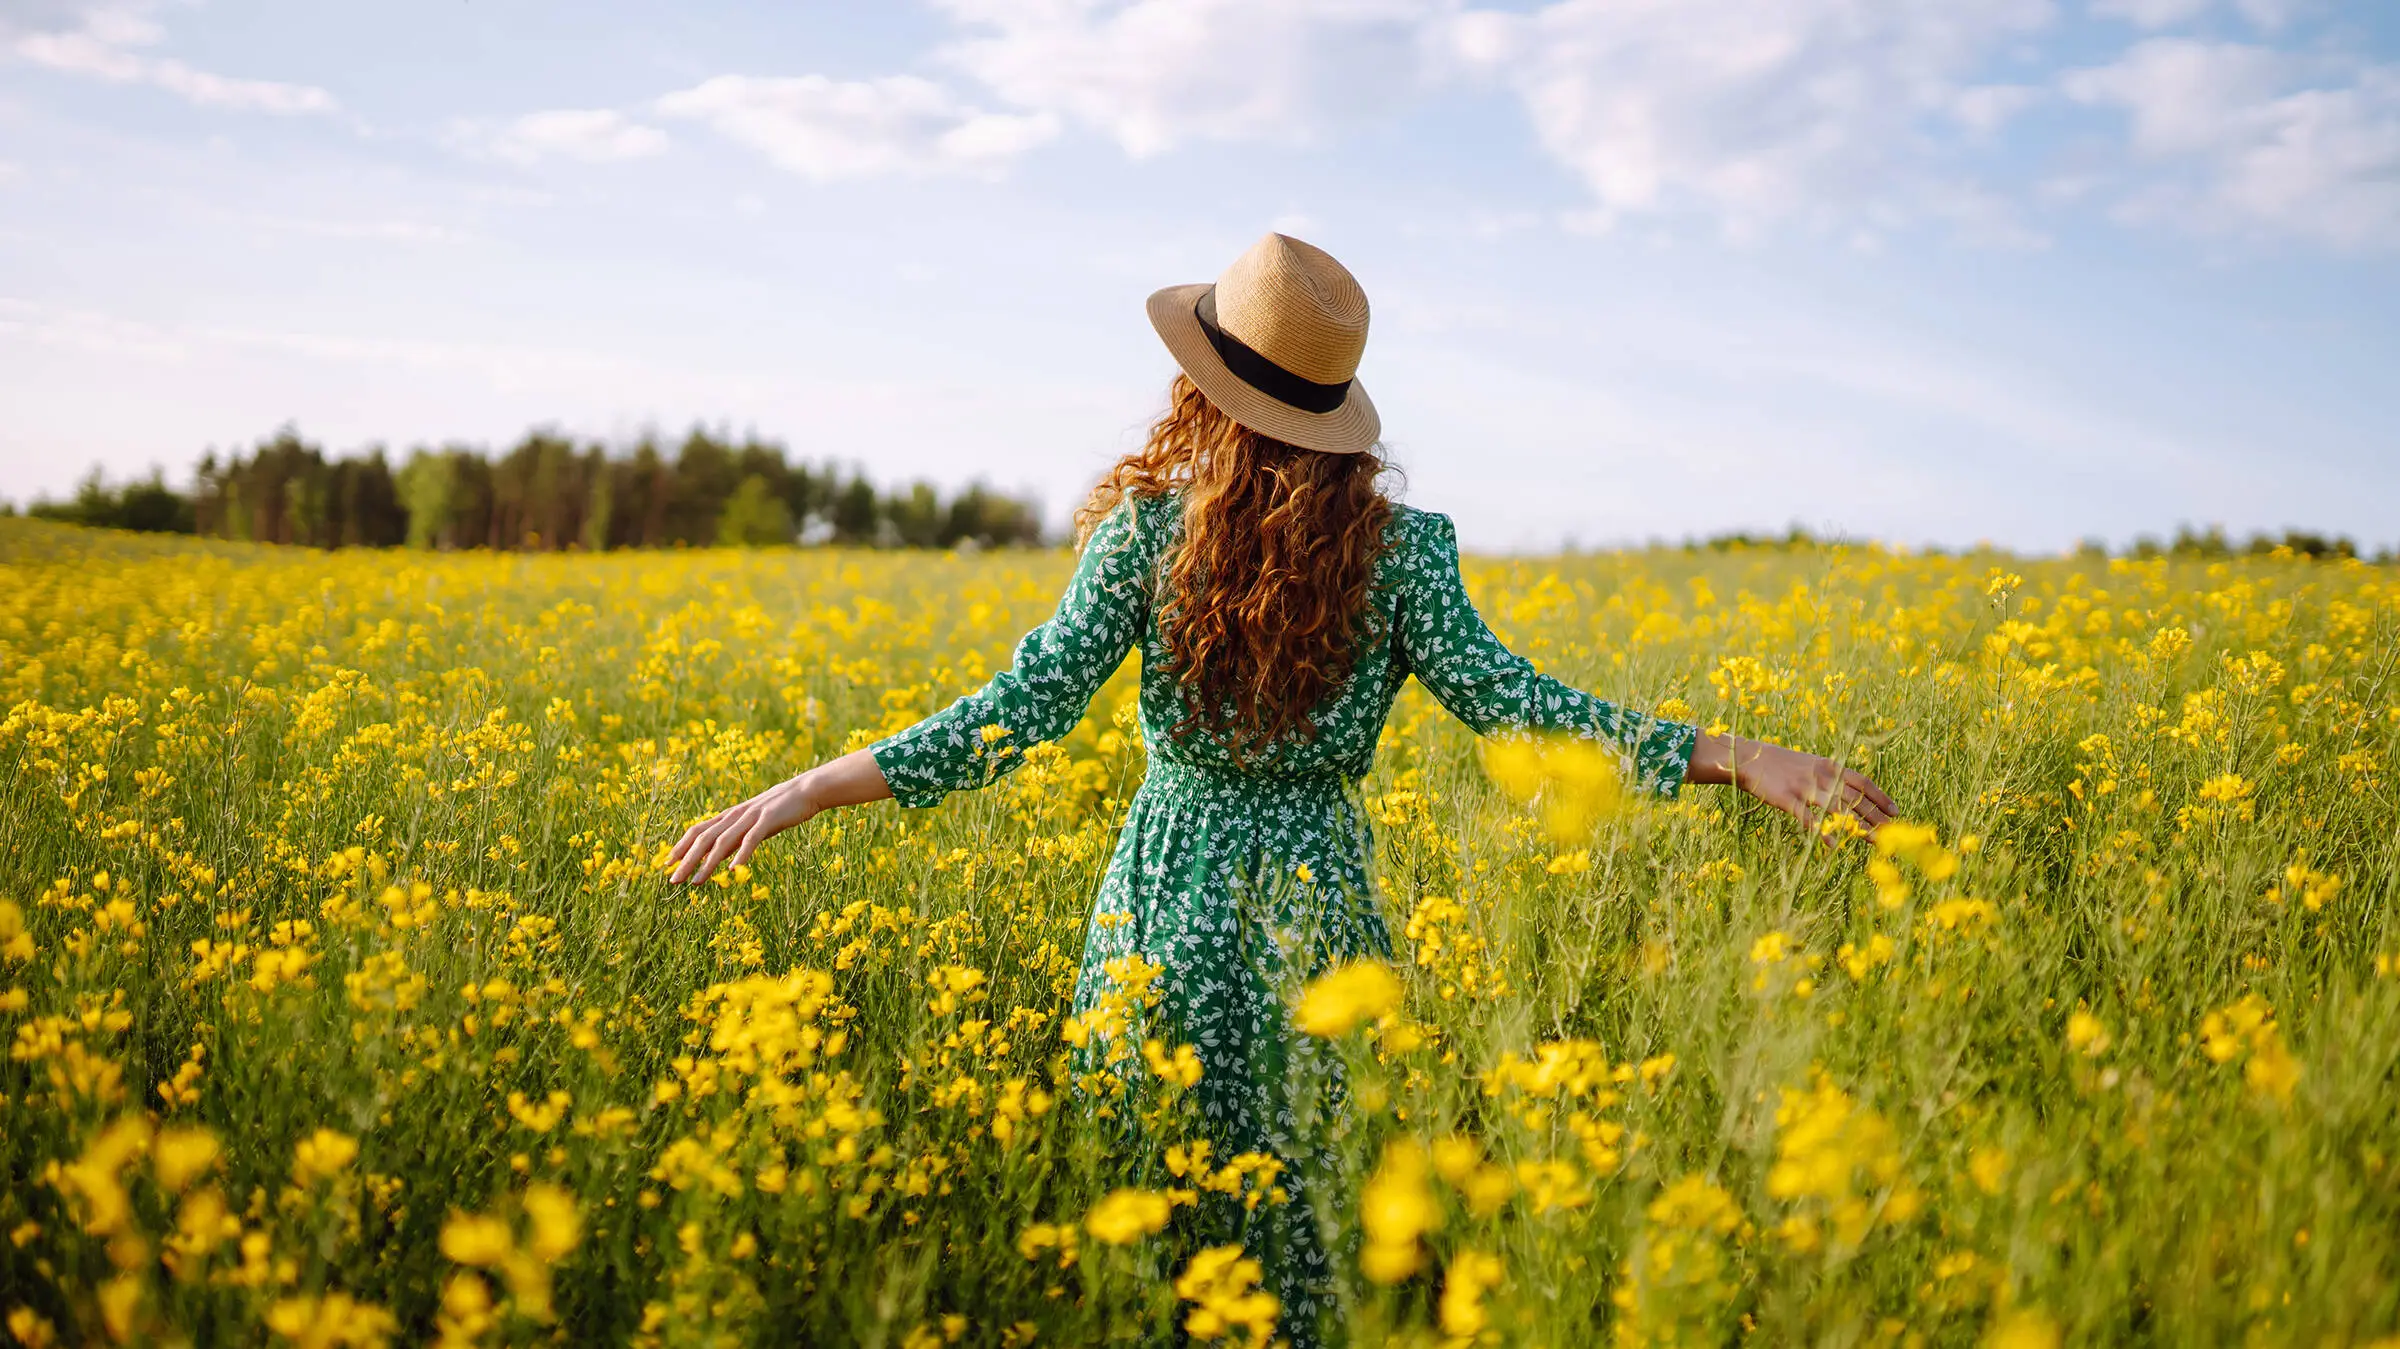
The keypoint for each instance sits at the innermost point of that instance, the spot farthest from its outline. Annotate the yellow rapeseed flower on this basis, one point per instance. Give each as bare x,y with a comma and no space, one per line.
555,1224
1040,1238
2085,1033
178,1155
1179,1069
2024,1328
334,1319
1988,1166
1471,1274
1222,1284
1395,1210
322,1155
1574,781
1336,1002
477,1239
31,1328
1126,1216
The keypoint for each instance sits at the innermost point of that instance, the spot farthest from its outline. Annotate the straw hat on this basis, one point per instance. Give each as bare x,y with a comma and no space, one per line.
1275,343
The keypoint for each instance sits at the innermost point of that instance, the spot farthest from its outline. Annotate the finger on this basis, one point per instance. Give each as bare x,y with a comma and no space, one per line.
699,830
716,858
684,844
694,844
1865,786
723,843
758,833
685,851
1854,800
730,837
707,841
722,847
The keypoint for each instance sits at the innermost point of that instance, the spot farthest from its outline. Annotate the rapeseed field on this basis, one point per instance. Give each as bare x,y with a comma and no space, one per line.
346,1004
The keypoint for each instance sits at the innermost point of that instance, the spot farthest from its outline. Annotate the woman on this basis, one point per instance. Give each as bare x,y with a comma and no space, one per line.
1279,601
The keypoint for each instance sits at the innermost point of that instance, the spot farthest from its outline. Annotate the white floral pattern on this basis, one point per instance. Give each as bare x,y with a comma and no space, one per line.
1241,880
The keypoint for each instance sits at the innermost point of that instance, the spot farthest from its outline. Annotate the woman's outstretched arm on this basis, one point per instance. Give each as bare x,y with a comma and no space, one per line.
1491,688
1051,679
982,736
734,833
1469,670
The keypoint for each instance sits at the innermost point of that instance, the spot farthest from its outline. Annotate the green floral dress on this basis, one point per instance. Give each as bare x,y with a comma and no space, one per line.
1242,881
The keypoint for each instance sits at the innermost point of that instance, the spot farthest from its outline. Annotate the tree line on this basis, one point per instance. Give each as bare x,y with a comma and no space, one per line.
547,493
550,493
2208,544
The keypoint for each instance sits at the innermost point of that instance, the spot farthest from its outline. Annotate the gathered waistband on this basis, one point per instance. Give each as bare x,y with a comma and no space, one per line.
1181,779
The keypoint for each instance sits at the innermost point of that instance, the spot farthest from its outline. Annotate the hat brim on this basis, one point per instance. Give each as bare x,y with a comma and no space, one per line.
1349,429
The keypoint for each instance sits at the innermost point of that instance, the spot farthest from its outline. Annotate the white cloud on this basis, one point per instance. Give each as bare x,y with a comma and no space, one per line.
2152,13
593,135
2257,139
825,129
2270,14
1152,74
104,47
1985,108
1752,111
497,364
1858,117
2155,14
85,330
403,232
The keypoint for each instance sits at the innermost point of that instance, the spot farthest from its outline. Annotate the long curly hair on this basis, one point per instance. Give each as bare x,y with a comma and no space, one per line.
1267,596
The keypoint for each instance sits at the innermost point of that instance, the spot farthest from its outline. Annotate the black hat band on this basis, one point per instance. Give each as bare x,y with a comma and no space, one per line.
1260,373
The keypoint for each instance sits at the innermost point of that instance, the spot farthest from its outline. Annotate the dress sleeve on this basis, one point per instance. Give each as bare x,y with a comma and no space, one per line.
1050,681
1491,688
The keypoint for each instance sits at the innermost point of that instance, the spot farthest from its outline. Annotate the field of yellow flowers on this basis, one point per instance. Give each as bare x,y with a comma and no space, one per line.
345,1003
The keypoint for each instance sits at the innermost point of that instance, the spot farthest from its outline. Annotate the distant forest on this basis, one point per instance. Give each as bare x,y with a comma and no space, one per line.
548,493
2209,544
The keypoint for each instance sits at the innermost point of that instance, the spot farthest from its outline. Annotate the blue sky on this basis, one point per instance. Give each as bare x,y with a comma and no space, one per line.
1933,271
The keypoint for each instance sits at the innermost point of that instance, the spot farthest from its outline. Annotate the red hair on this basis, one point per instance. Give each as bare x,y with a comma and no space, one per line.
1268,594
